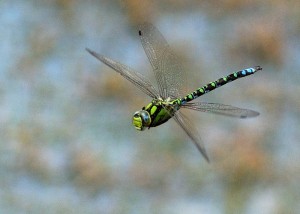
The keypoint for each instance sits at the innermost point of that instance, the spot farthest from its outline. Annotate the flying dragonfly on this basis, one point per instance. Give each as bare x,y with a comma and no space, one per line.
171,79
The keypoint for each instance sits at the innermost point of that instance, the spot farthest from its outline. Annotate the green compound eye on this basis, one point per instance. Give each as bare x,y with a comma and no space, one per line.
145,118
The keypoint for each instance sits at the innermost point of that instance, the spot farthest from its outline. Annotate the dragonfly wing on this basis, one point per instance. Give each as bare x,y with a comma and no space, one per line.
134,77
222,109
170,76
189,129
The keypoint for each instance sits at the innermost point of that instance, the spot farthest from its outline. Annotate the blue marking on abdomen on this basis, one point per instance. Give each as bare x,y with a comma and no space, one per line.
250,70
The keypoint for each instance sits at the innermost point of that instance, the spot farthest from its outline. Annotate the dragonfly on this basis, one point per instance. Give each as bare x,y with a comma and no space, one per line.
171,80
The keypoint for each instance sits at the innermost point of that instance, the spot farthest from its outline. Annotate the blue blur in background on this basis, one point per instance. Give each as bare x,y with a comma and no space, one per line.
67,144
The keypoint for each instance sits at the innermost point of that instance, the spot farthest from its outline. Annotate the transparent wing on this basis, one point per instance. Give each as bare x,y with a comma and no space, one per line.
134,77
222,109
170,76
189,129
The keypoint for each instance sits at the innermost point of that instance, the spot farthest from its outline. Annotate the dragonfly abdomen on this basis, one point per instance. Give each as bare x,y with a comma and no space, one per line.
220,82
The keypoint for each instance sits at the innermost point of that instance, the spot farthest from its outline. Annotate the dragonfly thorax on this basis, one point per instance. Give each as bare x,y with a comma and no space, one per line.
155,113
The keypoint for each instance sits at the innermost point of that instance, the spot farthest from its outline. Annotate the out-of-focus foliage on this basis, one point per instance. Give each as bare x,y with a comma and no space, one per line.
67,144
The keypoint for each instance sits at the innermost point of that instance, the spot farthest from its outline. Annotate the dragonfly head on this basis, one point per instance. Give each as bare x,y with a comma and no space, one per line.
141,119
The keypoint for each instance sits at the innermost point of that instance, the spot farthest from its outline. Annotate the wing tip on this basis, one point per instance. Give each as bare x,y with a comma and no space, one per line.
94,54
90,51
206,158
203,152
250,114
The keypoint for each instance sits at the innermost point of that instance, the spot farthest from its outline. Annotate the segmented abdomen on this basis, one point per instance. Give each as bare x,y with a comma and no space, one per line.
222,81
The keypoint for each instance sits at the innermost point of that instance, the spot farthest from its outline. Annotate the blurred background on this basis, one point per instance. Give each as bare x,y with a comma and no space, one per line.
67,142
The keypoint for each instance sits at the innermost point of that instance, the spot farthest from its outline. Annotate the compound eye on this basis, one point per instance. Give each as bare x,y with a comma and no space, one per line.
141,119
145,117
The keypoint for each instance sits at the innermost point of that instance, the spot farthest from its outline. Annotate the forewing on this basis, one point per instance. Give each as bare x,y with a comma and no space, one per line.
222,109
134,77
191,131
168,72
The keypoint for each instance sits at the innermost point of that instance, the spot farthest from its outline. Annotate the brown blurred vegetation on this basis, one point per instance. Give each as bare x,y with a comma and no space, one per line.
59,114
